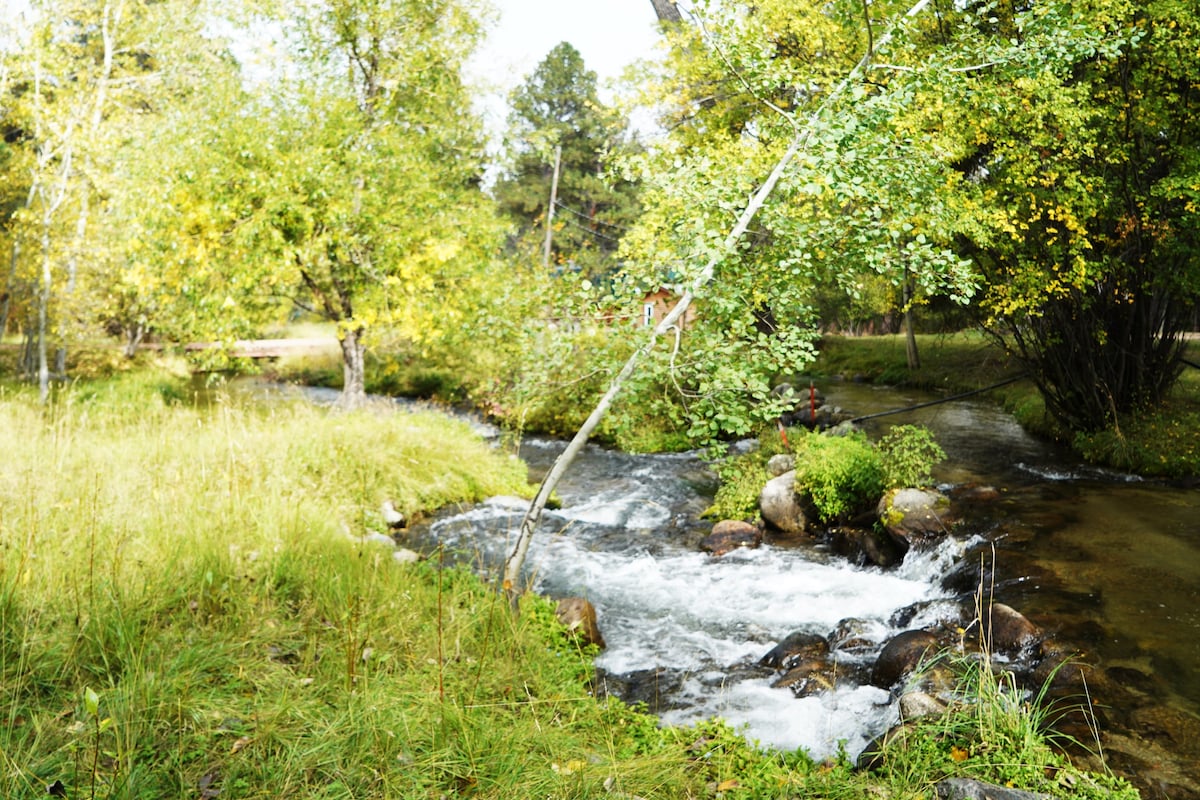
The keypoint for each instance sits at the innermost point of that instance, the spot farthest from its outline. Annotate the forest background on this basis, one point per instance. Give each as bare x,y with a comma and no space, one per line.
1027,171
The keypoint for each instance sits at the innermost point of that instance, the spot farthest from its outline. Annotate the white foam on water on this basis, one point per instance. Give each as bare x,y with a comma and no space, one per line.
692,613
771,590
847,718
663,605
618,509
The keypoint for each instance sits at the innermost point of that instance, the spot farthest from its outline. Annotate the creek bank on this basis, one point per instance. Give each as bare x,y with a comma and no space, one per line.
912,666
685,629
1094,709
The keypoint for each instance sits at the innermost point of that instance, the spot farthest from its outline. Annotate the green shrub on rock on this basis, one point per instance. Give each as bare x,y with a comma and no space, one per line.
909,454
842,475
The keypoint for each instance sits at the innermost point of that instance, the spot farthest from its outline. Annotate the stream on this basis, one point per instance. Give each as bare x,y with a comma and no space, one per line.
1105,562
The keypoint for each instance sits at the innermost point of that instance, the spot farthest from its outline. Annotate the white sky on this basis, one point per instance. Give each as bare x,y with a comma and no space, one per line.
609,34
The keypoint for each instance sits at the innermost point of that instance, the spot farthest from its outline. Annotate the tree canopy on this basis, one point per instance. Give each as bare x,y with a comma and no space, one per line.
1047,150
557,115
1080,172
1036,161
860,202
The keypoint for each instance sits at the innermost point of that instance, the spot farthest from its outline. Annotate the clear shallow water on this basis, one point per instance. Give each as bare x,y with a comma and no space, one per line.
1106,562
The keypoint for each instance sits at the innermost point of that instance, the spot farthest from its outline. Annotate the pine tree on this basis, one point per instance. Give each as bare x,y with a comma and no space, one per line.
558,108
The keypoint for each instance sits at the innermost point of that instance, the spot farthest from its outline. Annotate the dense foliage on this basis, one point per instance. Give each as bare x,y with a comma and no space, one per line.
840,476
336,171
162,175
1049,144
1079,179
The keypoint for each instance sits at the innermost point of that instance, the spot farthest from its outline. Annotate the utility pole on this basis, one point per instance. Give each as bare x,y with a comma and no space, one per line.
550,208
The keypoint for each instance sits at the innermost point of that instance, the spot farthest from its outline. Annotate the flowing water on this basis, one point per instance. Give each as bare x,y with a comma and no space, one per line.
1106,562
626,538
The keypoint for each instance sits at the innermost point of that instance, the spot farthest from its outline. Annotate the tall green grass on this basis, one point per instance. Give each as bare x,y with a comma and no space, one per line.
187,609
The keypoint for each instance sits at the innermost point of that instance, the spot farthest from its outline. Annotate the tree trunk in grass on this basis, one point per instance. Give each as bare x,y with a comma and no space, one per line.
910,332
515,562
354,392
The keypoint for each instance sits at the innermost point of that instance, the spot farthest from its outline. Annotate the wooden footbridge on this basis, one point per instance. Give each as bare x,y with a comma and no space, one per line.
270,348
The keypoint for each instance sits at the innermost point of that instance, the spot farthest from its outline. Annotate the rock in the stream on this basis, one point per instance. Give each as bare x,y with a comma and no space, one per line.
656,687
968,789
1007,630
392,515
809,676
780,506
402,555
901,656
854,637
804,659
866,546
915,517
796,647
974,493
729,535
780,464
914,705
579,617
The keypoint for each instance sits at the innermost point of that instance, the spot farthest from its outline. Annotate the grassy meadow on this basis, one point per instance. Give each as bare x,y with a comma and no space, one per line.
190,608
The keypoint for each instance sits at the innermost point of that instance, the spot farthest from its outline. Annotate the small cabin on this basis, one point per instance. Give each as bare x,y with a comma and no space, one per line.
657,304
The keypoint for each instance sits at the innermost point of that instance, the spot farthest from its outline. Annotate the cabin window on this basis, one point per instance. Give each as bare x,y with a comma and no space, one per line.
648,314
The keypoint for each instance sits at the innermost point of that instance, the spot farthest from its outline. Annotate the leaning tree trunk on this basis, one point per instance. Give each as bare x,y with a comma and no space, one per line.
516,559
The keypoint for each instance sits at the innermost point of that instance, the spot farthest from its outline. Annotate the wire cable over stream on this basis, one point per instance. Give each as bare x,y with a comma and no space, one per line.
941,400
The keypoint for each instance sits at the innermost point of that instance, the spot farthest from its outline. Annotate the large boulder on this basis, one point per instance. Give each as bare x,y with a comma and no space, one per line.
780,505
1008,631
780,464
656,687
915,517
729,535
903,654
866,546
855,637
806,664
809,676
795,647
917,704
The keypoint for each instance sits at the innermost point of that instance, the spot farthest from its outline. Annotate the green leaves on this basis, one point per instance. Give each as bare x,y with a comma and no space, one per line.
1081,128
